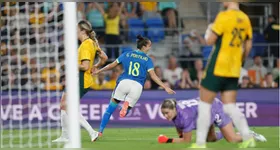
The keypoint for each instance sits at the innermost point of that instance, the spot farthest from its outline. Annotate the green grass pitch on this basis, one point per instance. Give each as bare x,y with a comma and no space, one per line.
139,139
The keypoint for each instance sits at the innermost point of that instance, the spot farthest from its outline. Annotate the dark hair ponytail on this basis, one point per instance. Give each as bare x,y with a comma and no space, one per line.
142,41
139,37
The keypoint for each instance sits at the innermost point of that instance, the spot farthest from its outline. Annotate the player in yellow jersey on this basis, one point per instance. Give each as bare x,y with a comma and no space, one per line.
87,51
231,35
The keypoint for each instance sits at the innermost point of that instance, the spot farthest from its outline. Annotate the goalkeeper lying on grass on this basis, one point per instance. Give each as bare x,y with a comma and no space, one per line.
184,115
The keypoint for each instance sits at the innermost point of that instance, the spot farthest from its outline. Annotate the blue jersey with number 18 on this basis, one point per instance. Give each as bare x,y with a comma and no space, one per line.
135,64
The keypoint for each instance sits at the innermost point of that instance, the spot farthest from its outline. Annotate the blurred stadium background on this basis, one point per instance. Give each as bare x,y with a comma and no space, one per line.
33,69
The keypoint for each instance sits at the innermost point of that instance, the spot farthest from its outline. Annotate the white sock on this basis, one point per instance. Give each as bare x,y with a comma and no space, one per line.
85,124
203,122
238,119
64,126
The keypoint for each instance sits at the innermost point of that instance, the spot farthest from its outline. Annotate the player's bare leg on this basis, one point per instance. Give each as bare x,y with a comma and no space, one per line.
123,111
204,116
230,135
239,120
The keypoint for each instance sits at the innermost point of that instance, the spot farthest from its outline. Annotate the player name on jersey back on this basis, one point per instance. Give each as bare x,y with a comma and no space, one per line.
139,56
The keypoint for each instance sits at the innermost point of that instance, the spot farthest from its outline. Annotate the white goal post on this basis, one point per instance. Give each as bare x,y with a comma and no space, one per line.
72,98
36,38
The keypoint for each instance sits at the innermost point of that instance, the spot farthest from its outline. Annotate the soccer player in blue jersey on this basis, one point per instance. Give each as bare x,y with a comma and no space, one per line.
184,115
136,64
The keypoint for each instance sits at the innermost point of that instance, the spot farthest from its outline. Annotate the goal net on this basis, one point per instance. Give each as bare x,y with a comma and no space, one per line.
32,73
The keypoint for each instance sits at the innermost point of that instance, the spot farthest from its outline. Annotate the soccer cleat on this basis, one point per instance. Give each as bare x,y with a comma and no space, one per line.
124,109
248,143
99,135
94,136
258,137
61,140
194,145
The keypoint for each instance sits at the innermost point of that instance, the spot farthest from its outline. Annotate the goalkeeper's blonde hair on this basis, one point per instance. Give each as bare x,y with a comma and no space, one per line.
86,26
169,104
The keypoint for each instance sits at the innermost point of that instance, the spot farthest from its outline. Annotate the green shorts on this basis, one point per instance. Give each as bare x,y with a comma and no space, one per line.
83,90
219,84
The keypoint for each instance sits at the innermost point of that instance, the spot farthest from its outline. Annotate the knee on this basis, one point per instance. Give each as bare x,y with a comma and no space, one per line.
115,101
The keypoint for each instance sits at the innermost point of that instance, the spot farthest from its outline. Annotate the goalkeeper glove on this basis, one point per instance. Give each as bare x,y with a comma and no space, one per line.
164,139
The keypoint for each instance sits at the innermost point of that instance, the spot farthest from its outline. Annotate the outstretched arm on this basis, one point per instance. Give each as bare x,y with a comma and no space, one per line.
156,79
187,137
159,82
121,8
99,8
108,67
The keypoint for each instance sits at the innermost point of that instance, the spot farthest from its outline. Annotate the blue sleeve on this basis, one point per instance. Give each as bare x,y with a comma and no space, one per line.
121,58
150,65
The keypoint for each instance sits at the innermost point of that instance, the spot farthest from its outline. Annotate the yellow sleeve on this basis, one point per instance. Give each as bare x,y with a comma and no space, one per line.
249,31
218,25
86,50
105,16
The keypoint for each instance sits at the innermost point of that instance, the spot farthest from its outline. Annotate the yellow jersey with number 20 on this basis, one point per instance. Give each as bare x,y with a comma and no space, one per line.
233,27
